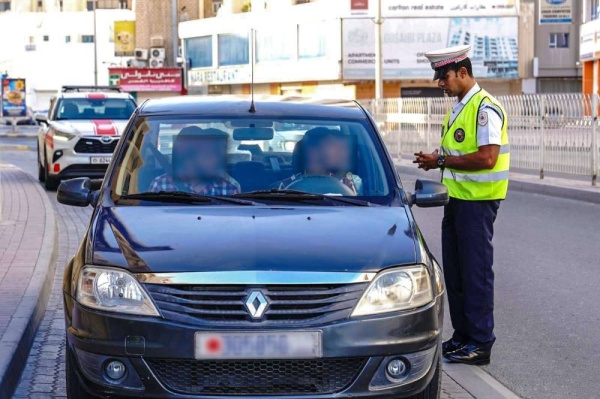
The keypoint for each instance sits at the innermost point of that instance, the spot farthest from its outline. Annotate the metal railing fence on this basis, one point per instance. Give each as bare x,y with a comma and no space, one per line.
547,132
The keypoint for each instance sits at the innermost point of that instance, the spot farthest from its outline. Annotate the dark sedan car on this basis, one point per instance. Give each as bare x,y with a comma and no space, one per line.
295,273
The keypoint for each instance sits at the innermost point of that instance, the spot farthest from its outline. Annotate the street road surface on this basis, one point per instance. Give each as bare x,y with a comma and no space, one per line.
547,295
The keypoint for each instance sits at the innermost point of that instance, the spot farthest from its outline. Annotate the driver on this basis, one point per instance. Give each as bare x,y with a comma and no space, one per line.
199,161
327,152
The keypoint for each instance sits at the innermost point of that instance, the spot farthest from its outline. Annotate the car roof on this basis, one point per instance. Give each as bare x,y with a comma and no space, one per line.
264,106
97,95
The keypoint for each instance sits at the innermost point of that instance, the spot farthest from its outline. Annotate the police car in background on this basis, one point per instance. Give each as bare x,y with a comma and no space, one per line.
80,132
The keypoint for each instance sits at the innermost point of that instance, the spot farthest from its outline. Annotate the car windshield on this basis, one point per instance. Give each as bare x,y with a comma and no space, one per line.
95,108
260,159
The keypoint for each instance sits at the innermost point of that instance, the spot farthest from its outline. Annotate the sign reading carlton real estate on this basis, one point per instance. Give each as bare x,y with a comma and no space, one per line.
146,79
556,11
13,97
439,8
494,51
124,39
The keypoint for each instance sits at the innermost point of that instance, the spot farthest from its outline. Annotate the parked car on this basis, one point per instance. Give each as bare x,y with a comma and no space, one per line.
80,132
286,287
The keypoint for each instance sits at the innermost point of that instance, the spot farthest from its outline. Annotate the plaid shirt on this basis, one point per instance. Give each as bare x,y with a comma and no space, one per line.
223,186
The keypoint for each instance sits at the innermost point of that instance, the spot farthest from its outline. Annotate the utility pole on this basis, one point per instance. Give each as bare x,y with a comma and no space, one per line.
378,53
95,46
174,21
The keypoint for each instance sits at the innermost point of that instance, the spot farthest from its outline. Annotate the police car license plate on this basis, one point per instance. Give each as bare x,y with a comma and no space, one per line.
100,160
258,345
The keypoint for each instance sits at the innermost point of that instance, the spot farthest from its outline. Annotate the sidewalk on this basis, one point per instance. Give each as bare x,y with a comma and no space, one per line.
581,190
27,250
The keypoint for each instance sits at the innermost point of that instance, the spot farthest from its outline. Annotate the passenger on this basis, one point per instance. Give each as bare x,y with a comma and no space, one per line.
328,152
199,162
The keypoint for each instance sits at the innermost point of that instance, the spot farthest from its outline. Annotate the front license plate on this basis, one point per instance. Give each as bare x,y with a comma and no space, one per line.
100,160
259,345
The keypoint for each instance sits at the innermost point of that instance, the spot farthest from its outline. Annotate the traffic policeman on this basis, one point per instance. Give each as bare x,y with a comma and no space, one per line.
474,159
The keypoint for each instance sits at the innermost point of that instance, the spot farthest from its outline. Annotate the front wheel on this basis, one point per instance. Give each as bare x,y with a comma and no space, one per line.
74,388
434,388
50,183
41,169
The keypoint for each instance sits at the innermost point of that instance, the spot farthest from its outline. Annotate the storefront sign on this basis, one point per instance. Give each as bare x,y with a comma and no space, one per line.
556,11
405,41
124,39
220,76
589,45
146,79
441,8
13,97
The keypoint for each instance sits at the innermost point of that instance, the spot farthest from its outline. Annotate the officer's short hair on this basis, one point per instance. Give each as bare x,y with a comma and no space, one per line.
464,63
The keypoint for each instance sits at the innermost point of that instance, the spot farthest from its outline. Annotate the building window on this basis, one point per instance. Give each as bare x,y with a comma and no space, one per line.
87,38
559,40
234,49
4,6
216,4
198,51
595,9
46,38
67,39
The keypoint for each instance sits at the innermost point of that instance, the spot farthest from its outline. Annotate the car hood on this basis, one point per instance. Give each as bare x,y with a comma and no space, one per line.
95,127
225,238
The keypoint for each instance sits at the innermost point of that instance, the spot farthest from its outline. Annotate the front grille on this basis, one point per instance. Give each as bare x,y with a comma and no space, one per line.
257,377
287,305
95,146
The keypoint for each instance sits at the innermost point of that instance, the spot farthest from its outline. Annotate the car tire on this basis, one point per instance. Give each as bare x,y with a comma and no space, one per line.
50,183
74,388
41,169
434,388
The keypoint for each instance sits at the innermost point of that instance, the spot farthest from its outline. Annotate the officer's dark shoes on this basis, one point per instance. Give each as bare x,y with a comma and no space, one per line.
470,354
451,345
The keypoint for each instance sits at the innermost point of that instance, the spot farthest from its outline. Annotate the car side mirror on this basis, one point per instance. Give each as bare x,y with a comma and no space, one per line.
429,194
41,118
76,192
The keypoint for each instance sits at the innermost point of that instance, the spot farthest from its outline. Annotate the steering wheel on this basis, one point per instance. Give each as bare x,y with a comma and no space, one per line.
320,184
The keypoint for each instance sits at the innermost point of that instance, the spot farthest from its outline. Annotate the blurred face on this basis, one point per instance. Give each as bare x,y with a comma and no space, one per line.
313,160
335,154
452,82
200,158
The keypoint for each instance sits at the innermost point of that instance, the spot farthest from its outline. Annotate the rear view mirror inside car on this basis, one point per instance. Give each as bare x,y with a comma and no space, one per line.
253,133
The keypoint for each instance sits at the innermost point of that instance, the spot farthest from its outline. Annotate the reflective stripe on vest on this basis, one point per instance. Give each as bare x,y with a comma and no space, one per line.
460,138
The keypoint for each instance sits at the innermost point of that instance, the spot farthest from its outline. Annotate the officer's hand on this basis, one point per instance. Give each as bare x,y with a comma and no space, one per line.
426,161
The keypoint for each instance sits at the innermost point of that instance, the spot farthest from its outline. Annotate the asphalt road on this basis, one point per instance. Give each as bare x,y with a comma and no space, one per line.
547,290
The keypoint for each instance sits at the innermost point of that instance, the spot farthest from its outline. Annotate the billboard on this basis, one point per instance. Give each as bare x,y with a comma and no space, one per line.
146,79
493,40
13,97
124,39
556,11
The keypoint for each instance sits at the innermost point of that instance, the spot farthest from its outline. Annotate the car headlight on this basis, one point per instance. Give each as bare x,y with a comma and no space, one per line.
397,289
113,290
58,135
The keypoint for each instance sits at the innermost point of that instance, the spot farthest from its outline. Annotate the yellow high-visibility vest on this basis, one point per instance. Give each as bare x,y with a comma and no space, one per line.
460,138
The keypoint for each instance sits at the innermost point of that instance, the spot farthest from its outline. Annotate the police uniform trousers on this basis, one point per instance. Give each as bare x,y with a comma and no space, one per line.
467,252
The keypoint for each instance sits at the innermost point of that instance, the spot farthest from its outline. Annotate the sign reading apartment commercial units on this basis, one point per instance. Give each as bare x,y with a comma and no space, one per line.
556,11
124,39
146,79
439,8
13,98
494,51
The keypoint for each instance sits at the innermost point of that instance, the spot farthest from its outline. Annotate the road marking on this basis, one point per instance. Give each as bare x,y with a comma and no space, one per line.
14,148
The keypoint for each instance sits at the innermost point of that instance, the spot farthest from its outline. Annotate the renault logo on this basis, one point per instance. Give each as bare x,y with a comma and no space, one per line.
256,304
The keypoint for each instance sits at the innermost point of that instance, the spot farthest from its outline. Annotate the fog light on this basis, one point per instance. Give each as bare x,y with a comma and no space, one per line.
397,368
115,370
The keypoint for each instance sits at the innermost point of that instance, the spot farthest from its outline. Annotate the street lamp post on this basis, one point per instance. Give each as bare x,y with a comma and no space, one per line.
95,45
174,21
378,54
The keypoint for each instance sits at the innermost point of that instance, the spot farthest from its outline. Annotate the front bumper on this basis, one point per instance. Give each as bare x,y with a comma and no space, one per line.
65,163
93,338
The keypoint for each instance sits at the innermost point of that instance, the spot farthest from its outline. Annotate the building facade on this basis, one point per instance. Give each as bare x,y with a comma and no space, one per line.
589,50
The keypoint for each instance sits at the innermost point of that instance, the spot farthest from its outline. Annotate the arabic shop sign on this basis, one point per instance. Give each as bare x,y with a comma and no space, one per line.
146,79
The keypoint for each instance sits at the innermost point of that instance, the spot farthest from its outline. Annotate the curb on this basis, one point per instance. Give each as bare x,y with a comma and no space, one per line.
477,382
15,346
515,184
15,147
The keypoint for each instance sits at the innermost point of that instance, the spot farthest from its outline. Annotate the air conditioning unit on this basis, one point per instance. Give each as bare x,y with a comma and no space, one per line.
141,54
157,41
156,63
157,52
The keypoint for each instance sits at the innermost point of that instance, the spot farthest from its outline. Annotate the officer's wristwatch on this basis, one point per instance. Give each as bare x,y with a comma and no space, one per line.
441,161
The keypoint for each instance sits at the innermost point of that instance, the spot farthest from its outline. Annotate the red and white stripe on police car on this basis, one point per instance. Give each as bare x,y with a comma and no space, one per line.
95,96
104,127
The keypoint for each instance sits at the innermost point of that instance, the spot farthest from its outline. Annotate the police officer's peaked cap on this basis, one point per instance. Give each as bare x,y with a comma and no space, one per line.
442,60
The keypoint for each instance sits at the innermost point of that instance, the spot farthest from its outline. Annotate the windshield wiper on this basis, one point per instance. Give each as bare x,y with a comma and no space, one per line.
184,197
295,195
